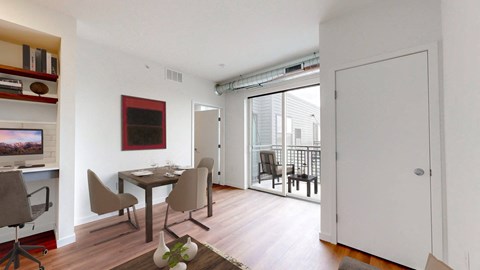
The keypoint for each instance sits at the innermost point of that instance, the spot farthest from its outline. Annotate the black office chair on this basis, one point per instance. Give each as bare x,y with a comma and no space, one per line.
15,211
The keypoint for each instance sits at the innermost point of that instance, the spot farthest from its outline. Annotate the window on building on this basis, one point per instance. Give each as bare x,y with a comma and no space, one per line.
288,131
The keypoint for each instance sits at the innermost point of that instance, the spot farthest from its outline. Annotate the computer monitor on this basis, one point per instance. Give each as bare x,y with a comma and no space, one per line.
17,145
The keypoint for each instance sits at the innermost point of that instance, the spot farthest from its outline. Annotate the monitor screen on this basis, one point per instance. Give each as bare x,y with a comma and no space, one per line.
17,142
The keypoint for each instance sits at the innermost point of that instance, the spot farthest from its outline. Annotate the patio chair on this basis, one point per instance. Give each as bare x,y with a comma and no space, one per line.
269,166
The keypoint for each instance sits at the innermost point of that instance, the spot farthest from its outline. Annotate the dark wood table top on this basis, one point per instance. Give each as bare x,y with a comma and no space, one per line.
156,179
206,259
301,178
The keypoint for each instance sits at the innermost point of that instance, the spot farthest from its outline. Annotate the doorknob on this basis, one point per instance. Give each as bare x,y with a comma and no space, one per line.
419,171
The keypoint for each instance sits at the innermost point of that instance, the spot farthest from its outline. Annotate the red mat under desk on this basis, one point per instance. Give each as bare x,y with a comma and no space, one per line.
46,239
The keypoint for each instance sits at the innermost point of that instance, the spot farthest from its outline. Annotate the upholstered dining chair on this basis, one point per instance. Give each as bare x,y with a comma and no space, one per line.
103,200
188,195
16,210
269,166
208,163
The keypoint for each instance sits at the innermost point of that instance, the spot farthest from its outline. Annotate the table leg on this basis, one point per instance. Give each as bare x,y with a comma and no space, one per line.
316,185
298,185
210,196
120,190
308,188
289,185
148,215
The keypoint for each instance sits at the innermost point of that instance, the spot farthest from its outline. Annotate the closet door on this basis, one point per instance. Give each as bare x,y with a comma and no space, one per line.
383,166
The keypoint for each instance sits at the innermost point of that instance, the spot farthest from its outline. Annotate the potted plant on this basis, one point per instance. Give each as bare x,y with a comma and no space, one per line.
175,257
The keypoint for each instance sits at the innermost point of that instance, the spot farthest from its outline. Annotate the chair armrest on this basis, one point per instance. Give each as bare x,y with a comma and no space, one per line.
293,168
47,196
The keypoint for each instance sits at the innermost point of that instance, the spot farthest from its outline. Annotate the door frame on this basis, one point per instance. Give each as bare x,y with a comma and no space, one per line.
437,183
221,165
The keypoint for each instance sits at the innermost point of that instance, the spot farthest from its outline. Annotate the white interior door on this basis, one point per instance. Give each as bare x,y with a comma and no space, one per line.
383,199
207,138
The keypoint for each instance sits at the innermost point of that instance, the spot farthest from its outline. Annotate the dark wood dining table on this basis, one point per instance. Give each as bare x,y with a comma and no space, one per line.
148,182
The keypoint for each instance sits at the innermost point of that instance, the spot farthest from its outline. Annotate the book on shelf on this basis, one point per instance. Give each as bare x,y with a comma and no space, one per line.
54,65
10,91
43,62
38,60
4,82
32,59
26,56
49,63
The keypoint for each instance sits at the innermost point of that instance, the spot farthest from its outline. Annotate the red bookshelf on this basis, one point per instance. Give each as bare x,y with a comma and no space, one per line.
29,98
28,73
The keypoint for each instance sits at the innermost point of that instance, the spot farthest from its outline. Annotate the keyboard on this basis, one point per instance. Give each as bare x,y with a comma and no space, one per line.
31,166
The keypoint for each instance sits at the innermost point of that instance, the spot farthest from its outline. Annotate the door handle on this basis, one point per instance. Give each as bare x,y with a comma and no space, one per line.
419,171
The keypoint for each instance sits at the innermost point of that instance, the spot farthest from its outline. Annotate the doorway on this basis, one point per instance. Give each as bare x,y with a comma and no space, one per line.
284,126
207,137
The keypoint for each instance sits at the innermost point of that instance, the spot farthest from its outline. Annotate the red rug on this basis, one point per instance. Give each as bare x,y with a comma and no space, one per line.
46,239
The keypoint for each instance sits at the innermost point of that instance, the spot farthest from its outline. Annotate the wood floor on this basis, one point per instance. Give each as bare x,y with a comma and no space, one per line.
261,230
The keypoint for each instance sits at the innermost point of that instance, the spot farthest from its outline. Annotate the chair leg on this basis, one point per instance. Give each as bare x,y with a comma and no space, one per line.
167,226
197,222
135,226
13,256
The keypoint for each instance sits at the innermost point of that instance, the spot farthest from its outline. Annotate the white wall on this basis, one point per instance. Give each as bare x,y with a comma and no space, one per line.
39,18
461,21
104,74
236,134
385,27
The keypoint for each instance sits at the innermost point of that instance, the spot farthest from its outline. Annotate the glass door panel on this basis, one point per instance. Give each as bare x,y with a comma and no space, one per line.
266,143
303,141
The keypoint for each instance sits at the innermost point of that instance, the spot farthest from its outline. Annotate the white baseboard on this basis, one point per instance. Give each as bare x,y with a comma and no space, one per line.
66,240
327,238
94,217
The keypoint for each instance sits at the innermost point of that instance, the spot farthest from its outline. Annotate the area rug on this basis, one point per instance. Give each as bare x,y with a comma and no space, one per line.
227,257
46,239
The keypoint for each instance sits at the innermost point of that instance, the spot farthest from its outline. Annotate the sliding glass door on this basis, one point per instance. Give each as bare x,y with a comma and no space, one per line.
285,140
266,138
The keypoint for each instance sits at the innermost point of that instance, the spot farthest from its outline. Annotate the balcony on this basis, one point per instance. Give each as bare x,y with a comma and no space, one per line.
306,158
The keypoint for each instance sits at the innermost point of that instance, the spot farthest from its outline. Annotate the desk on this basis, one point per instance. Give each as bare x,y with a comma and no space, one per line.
148,182
206,259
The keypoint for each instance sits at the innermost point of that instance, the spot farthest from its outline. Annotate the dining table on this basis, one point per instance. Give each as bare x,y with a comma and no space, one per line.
150,178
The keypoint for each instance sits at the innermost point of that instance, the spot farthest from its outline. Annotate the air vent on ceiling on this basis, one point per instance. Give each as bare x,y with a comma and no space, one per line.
294,68
174,75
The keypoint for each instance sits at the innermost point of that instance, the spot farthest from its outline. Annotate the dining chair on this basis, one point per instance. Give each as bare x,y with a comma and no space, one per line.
103,200
188,195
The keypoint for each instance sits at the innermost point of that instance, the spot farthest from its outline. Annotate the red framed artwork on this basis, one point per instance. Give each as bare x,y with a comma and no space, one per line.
143,124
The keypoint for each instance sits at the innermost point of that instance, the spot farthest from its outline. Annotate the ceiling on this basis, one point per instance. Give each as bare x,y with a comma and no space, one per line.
212,39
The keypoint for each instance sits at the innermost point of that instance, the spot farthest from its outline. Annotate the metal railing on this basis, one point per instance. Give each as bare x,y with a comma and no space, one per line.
302,156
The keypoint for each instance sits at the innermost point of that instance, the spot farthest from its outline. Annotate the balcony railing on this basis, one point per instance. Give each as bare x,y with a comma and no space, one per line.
307,157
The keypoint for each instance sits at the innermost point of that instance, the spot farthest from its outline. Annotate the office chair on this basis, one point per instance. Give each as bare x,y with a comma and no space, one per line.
16,210
103,200
188,195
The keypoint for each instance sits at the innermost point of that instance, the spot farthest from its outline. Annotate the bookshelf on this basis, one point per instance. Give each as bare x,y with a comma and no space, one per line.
30,98
12,36
28,73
